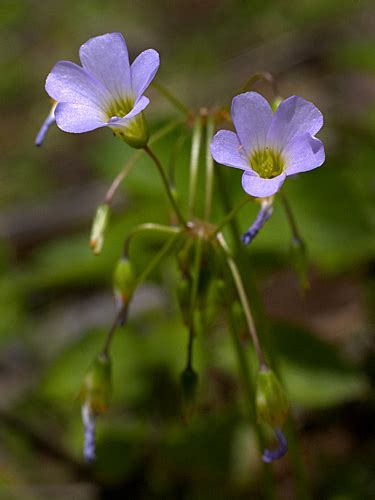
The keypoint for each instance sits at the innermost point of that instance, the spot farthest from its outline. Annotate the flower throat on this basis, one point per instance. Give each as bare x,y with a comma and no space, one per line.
267,163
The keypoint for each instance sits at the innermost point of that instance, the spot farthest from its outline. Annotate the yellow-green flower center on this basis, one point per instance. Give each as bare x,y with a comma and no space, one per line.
267,163
120,108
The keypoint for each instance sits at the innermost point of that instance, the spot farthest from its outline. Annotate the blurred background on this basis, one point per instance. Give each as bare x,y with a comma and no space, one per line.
55,296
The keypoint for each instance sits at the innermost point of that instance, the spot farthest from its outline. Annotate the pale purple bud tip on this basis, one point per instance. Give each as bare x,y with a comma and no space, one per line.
263,215
45,126
89,424
271,455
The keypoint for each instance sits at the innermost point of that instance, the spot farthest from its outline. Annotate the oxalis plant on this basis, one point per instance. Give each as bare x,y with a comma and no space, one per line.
271,141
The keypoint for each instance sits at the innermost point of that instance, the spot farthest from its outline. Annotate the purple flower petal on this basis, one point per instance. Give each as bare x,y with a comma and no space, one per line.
138,108
293,117
106,58
77,118
271,455
227,150
68,82
303,153
259,187
252,116
143,70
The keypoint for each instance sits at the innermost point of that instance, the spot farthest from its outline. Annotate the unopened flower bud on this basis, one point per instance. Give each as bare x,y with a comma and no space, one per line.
96,387
271,401
189,385
123,281
135,132
99,227
50,120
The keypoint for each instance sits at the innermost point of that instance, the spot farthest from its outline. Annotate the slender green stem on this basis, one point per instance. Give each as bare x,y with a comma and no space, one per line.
194,162
249,387
148,226
133,159
261,75
303,490
291,218
120,316
193,296
228,218
170,97
174,156
163,175
120,177
168,245
209,168
243,299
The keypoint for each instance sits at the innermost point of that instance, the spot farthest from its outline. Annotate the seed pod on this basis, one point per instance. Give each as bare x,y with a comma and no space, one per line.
123,281
271,402
96,388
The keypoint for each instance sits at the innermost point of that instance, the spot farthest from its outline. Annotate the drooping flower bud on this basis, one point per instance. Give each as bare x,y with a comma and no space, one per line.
271,401
189,385
99,227
96,387
45,126
123,281
95,393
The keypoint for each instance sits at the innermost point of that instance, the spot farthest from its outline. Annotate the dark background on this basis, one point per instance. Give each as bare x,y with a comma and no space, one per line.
55,296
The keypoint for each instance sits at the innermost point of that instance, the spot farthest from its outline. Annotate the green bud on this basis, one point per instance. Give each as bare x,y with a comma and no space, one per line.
135,132
271,402
99,227
300,262
276,103
123,280
189,385
96,387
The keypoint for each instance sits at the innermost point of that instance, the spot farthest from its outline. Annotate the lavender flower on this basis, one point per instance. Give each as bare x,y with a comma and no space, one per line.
267,146
106,91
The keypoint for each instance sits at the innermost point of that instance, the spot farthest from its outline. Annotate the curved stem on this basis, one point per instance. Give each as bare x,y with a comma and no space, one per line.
170,97
168,245
163,175
243,298
149,226
194,162
249,386
131,162
119,178
291,219
119,318
258,76
209,168
193,296
231,215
